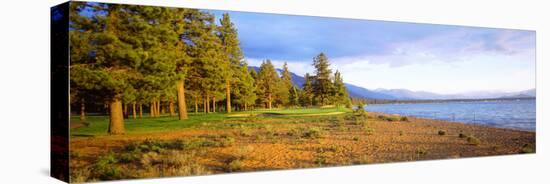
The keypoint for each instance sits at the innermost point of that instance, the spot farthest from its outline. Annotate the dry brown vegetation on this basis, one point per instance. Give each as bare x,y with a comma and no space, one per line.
283,143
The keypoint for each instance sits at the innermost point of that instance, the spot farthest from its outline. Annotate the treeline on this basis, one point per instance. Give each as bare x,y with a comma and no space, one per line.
133,58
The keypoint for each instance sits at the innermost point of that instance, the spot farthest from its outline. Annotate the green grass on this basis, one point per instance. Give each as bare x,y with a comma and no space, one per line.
296,111
98,125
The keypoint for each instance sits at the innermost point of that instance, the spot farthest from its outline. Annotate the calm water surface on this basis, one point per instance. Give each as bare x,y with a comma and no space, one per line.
517,114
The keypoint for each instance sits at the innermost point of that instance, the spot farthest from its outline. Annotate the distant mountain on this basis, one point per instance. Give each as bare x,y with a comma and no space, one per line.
361,92
405,94
522,94
423,95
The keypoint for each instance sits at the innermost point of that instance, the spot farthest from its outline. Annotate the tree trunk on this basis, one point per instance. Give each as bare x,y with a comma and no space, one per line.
116,118
140,110
162,108
213,104
158,109
106,107
204,105
228,96
82,111
152,107
207,103
182,107
196,105
134,109
269,99
125,110
171,107
245,106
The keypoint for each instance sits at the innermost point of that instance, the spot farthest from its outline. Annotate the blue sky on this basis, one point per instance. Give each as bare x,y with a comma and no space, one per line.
393,55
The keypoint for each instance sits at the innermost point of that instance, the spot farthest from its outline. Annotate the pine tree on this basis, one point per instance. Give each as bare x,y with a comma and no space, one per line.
294,99
307,92
322,85
80,87
340,91
233,55
112,67
246,89
267,83
207,58
284,93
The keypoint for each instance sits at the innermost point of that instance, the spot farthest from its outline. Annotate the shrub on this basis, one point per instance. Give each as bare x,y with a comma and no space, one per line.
227,141
421,151
261,137
338,121
391,118
320,160
292,132
355,138
360,108
404,118
332,148
234,165
246,132
401,133
105,168
312,132
472,140
527,148
205,143
461,135
369,130
79,175
349,117
175,163
441,132
129,157
149,159
269,134
388,118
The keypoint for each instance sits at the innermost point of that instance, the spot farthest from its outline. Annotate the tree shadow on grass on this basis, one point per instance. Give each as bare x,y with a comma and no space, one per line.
82,135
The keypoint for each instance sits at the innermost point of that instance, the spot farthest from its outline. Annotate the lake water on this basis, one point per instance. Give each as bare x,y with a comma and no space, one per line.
517,114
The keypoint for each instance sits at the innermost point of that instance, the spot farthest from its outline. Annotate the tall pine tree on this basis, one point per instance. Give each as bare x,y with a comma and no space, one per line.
267,82
285,89
341,96
307,92
322,85
234,56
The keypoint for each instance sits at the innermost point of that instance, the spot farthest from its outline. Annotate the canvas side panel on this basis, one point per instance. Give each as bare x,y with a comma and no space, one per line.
59,91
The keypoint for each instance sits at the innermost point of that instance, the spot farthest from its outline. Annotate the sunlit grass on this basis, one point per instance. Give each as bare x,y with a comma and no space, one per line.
98,125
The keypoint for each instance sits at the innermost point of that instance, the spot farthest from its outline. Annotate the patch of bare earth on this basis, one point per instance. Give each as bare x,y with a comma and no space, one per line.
284,145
